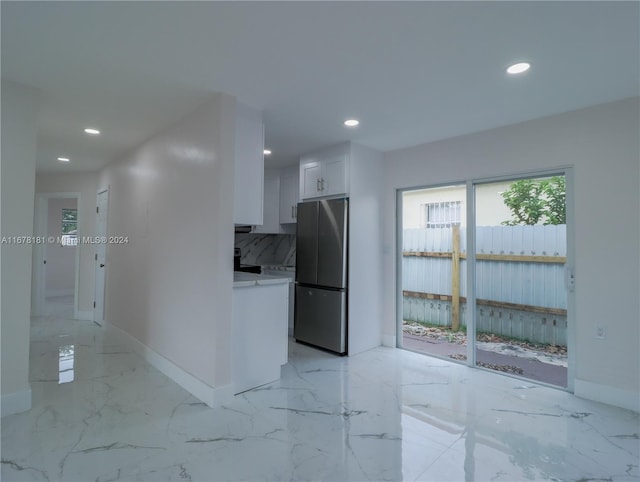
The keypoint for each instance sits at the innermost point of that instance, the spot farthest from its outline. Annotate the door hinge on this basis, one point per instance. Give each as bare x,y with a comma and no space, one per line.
94,304
97,209
96,256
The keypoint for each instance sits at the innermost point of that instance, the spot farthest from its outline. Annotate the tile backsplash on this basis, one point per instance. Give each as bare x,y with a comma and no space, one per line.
263,249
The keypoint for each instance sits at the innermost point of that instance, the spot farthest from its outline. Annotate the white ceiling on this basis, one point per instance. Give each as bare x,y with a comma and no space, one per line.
412,72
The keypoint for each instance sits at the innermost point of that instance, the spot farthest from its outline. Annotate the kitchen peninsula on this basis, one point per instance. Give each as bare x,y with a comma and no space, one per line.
259,331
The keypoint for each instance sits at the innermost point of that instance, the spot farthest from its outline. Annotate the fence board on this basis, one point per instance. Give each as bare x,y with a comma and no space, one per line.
517,266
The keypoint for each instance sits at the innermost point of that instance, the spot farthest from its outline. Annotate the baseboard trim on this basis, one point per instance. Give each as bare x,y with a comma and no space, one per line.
83,315
212,396
606,394
16,402
389,340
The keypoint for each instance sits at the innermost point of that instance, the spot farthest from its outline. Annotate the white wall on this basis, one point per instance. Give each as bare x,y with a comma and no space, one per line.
17,173
85,183
170,287
60,273
602,145
365,248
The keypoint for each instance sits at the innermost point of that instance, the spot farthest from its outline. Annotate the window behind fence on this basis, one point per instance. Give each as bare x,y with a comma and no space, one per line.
441,214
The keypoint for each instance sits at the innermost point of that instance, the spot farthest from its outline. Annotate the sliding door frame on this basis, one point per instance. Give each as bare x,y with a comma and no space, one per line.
567,172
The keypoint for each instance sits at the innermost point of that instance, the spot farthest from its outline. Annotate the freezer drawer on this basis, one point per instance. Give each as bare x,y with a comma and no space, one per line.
321,318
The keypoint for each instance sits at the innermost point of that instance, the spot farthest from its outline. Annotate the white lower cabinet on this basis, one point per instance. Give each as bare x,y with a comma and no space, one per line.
259,332
291,275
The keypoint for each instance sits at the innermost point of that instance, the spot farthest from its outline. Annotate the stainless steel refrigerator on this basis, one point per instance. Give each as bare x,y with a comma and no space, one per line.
321,274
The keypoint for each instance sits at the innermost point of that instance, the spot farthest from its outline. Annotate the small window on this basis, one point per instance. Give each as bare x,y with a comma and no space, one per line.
442,214
69,227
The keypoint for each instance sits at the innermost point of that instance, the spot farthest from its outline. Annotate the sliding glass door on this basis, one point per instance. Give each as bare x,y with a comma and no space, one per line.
520,288
433,271
502,307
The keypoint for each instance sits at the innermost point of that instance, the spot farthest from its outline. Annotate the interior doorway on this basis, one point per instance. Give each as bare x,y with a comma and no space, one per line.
484,275
101,255
56,259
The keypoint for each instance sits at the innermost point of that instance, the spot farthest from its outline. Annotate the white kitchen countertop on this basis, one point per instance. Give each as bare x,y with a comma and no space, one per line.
243,280
279,267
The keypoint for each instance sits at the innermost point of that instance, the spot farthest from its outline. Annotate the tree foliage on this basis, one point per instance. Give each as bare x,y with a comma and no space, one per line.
536,201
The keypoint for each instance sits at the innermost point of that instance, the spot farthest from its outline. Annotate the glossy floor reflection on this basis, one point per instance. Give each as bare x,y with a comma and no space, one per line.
383,415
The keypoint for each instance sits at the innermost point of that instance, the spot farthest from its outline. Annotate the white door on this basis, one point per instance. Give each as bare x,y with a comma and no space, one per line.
100,257
38,295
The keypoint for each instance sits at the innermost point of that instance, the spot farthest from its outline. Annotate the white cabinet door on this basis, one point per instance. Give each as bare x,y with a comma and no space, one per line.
289,195
271,218
334,176
249,166
258,335
310,177
325,173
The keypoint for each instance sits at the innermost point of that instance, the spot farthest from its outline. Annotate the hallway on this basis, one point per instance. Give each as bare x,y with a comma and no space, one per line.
102,413
59,306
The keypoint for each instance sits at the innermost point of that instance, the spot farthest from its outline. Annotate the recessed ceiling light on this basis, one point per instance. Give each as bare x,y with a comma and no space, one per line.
92,131
351,122
518,68
63,159
266,152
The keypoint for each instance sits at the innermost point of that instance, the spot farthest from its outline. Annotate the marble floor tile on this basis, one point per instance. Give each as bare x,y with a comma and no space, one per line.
100,413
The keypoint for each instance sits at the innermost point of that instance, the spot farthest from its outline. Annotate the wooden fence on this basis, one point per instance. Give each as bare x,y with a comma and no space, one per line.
520,274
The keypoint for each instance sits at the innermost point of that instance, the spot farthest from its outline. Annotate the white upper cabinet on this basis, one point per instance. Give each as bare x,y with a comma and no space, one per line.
334,175
289,194
271,219
249,166
325,173
310,179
